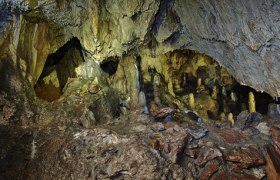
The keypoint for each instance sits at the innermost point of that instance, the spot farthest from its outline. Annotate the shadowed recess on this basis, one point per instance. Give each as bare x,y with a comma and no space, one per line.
110,65
58,68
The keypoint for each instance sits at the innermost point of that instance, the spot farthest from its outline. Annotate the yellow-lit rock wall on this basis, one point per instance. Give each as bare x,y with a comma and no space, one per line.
36,42
246,46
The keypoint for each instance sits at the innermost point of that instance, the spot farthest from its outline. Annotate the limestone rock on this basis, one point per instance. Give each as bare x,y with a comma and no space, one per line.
263,128
244,157
197,131
246,46
231,136
172,148
192,150
160,112
209,170
247,120
207,154
270,169
136,149
275,134
230,175
40,140
274,156
273,110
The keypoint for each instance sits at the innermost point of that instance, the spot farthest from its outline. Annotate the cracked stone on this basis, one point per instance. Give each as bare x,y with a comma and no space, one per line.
270,169
197,131
207,154
245,157
229,175
166,143
273,110
263,128
192,150
258,172
231,136
209,170
246,119
274,156
275,135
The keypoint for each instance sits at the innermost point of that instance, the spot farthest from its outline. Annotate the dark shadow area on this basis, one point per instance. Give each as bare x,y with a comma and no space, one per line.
110,65
262,99
135,16
58,68
15,145
6,70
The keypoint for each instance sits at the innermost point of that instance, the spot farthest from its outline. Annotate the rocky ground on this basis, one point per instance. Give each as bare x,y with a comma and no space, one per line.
133,147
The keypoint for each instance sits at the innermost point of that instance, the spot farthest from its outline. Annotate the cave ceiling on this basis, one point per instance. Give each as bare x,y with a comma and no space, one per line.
242,36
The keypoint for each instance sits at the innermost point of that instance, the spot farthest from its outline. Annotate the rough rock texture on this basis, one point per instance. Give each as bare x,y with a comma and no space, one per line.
135,149
241,36
130,60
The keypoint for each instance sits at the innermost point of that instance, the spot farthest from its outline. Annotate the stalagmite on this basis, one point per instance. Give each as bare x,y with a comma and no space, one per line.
177,85
215,92
156,84
198,82
222,117
233,97
252,102
191,101
143,102
230,118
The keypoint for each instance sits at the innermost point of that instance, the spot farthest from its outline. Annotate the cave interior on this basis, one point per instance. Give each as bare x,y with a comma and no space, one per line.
139,89
217,92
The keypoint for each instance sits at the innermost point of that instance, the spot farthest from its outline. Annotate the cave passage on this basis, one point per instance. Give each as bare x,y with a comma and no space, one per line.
190,75
58,68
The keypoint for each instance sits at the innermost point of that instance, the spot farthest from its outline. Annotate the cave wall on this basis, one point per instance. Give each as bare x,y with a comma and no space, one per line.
242,36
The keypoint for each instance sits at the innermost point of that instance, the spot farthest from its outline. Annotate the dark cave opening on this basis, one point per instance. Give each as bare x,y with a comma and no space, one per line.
262,98
58,67
110,65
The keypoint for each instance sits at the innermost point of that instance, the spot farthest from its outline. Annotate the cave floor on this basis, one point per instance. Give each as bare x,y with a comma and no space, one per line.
132,147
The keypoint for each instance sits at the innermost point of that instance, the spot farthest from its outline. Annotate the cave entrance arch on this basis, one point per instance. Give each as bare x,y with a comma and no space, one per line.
58,67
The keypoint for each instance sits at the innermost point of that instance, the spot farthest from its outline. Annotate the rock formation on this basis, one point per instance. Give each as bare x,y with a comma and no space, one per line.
241,36
139,89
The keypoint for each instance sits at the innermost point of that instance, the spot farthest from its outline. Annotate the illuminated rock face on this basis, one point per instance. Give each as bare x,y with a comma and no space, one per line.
139,88
241,36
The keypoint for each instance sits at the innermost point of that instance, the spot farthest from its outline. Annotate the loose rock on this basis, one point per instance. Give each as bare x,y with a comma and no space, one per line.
273,110
207,154
245,157
209,170
263,128
197,131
